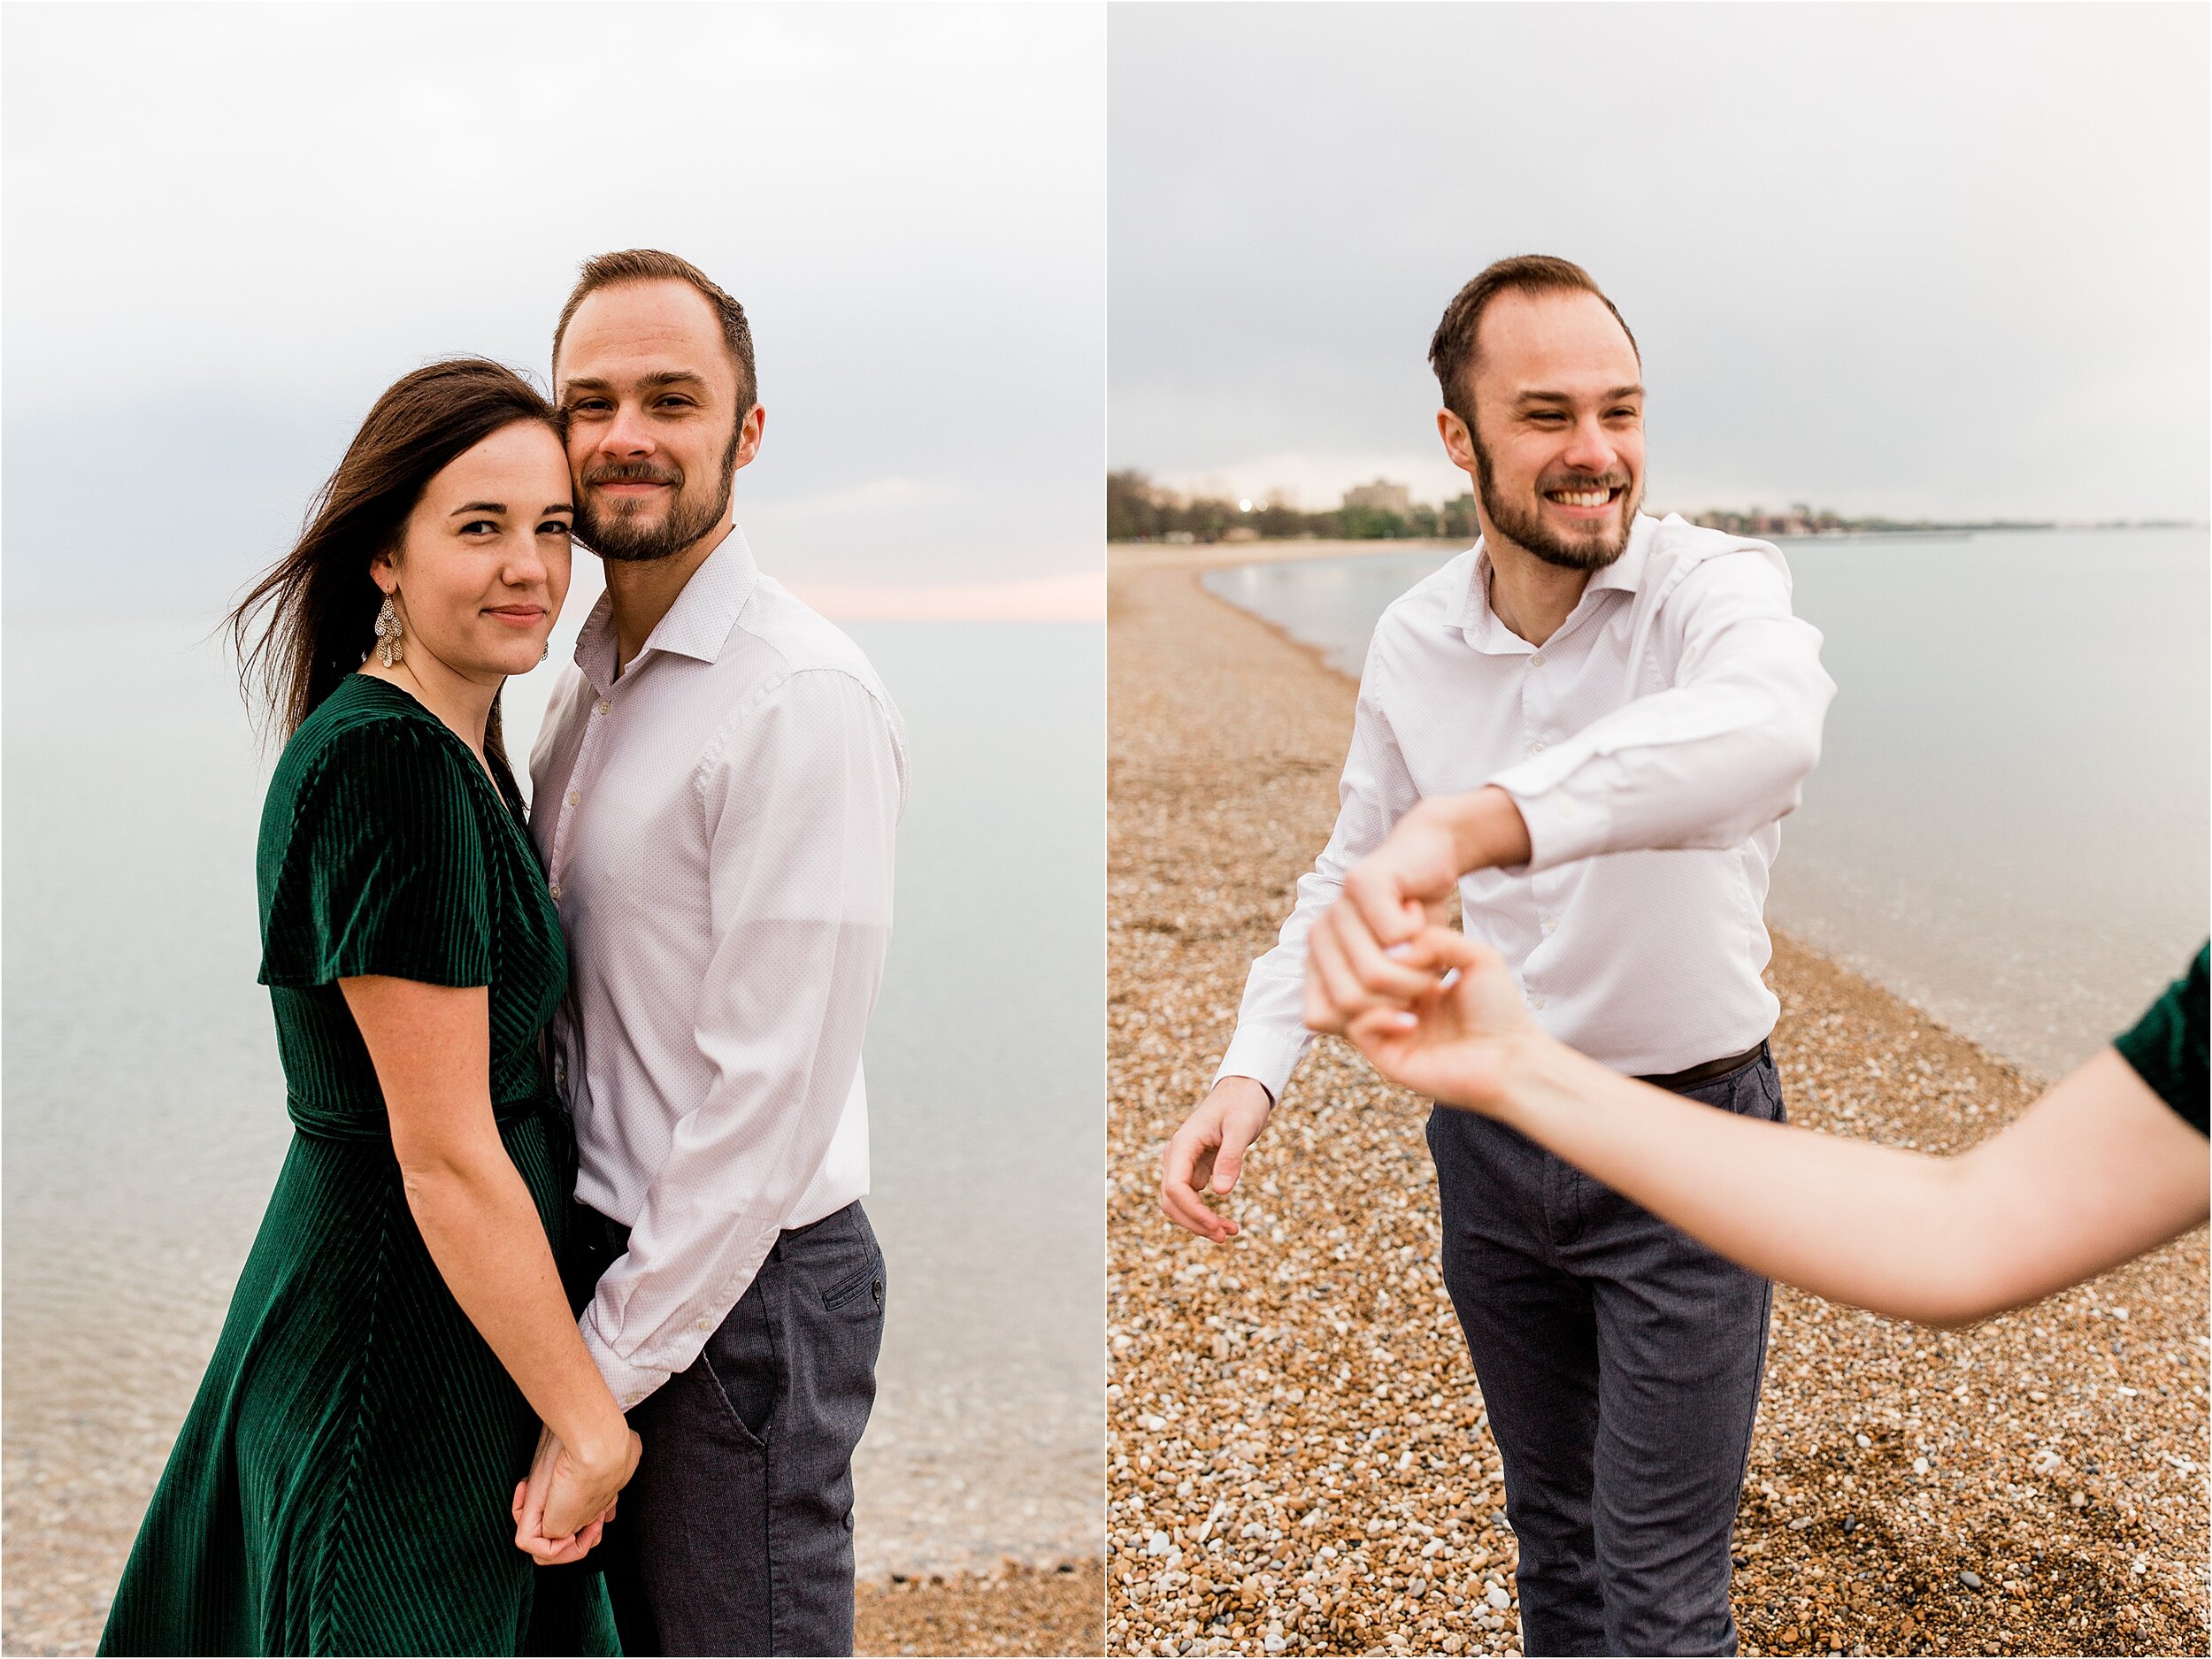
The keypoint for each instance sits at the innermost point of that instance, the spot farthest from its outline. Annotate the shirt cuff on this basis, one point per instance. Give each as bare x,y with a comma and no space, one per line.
629,1384
1562,826
1265,1054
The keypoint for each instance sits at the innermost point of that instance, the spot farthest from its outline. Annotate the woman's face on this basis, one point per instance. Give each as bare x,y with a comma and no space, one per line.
483,562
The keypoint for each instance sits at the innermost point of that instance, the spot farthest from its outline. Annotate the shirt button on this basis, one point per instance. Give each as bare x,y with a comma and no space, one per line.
555,889
704,1325
1551,923
573,797
601,707
1536,660
1536,1001
1537,747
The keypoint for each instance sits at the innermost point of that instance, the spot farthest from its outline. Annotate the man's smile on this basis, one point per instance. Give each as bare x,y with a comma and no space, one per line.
1585,501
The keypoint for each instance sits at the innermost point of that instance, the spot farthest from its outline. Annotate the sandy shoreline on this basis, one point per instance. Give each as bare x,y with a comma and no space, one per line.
2065,1445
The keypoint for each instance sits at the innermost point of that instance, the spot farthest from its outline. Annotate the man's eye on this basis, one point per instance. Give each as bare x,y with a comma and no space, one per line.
587,406
675,402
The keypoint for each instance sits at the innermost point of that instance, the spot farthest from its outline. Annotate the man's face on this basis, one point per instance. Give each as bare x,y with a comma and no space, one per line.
1557,448
654,434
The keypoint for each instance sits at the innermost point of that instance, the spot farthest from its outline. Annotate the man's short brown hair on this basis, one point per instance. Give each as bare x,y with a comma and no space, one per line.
648,264
1452,350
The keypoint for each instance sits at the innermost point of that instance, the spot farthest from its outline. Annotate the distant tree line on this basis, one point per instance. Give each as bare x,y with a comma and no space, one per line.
1138,510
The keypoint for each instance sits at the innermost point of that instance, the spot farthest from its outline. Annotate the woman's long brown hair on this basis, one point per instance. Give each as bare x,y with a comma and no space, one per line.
315,609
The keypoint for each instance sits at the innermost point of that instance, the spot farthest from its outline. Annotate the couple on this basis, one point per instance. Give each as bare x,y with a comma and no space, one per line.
1589,727
606,1059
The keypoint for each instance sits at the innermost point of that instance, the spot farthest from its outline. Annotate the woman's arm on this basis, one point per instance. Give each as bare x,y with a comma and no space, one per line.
431,1046
2096,1171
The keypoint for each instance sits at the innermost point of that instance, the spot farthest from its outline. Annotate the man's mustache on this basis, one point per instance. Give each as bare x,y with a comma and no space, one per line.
632,472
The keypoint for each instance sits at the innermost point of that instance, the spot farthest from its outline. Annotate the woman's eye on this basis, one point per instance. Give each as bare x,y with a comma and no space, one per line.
554,527
476,525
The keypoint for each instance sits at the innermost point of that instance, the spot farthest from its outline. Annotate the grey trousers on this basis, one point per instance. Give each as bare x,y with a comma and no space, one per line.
735,1535
1620,1364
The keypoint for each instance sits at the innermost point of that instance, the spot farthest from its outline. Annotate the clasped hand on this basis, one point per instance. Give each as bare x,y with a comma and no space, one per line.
1355,955
1455,1040
562,1506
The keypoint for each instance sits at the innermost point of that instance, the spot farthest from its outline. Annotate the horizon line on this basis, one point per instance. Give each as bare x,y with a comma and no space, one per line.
1072,596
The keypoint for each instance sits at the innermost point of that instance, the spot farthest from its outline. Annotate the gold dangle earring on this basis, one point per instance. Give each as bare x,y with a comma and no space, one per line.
389,650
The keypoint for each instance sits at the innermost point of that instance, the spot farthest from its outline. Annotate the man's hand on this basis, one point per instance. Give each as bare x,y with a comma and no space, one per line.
1458,1042
1207,1154
1403,886
561,1507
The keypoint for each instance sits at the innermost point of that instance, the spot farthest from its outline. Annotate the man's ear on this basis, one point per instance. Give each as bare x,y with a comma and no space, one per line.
1459,444
748,433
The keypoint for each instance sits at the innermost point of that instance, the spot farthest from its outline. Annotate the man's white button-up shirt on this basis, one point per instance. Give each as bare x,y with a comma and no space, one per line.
1652,744
716,829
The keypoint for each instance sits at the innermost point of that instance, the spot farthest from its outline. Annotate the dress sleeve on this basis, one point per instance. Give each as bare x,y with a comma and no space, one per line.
2167,1047
383,870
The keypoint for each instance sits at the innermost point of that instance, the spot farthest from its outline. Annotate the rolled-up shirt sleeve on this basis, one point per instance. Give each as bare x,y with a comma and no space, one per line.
1375,791
802,791
1716,755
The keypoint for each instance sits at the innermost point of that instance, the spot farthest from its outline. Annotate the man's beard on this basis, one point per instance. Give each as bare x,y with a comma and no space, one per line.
1591,552
621,536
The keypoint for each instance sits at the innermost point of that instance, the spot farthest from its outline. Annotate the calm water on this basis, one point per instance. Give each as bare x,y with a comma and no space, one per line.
2008,826
145,1110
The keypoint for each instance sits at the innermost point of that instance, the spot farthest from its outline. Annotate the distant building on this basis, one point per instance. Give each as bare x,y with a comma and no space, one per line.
1382,495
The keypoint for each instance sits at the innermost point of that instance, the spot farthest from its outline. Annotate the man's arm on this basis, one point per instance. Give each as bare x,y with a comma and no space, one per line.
1717,755
1703,763
1207,1153
801,793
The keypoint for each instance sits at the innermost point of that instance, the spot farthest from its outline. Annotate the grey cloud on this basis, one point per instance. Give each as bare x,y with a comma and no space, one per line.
226,228
1926,259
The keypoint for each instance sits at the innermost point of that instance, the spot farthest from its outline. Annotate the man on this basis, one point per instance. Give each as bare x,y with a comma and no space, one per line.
1589,723
715,794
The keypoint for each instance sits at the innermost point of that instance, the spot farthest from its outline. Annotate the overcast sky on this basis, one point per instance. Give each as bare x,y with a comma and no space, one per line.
227,227
1922,259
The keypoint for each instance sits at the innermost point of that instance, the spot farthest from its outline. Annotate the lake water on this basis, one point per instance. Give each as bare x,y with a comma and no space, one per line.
145,1109
2008,824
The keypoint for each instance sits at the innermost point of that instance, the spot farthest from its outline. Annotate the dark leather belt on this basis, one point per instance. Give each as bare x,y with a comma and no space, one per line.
1680,1080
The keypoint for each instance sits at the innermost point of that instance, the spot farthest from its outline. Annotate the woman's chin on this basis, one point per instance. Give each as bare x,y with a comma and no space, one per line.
510,658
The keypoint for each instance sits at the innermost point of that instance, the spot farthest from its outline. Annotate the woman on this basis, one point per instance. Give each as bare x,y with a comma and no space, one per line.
2108,1165
399,1341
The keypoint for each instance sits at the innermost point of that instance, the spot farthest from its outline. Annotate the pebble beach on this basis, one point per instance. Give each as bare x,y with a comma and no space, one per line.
1298,1459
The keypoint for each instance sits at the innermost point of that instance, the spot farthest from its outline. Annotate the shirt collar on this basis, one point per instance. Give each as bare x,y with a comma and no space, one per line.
1480,623
697,626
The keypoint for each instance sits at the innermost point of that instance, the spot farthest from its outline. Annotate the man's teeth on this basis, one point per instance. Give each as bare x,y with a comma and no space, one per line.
1581,498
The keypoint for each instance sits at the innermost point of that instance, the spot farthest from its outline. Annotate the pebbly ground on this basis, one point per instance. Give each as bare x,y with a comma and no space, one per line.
1297,1455
1017,1609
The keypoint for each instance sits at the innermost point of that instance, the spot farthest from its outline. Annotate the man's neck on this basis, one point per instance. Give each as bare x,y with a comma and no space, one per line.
641,591
1532,597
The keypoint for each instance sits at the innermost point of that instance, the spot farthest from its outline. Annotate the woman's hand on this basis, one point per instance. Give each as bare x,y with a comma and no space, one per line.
1355,953
1457,1038
568,1497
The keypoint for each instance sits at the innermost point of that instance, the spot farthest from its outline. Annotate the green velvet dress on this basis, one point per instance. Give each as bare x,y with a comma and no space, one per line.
342,1483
